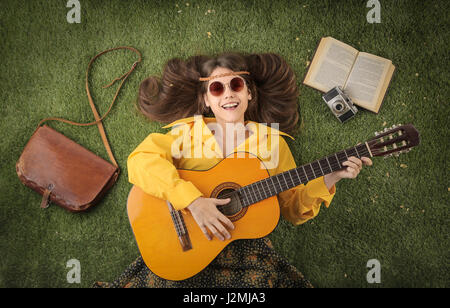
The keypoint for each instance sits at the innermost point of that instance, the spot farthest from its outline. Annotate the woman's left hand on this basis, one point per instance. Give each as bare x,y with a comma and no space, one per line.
353,167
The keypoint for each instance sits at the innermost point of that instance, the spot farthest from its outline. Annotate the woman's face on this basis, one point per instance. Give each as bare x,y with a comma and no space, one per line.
221,105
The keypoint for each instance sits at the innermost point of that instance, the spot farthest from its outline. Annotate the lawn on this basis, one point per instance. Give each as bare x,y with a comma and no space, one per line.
395,211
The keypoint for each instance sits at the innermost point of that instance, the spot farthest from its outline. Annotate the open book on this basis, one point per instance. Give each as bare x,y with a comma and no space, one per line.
363,76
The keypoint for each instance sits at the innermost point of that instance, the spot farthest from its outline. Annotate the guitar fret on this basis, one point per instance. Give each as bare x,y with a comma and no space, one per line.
257,190
334,165
342,159
364,150
285,180
308,165
246,194
337,159
264,191
296,172
324,167
250,194
304,171
259,193
367,150
296,177
281,188
318,162
293,183
246,198
345,152
359,156
275,189
318,171
302,176
329,164
267,186
313,171
300,179
256,197
352,150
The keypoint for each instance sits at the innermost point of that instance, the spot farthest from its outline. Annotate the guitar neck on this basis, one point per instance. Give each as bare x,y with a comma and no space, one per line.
276,184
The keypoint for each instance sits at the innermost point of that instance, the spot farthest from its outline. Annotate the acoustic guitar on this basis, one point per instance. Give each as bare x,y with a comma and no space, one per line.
173,246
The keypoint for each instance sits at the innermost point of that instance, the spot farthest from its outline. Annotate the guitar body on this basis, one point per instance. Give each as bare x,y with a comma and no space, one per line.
155,231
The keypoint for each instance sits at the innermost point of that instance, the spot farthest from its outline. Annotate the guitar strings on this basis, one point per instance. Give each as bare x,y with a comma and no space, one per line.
291,182
254,192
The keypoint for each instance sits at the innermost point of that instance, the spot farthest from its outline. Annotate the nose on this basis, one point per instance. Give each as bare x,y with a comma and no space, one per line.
228,91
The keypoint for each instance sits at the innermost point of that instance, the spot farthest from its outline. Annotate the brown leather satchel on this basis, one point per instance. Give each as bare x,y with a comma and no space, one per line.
63,171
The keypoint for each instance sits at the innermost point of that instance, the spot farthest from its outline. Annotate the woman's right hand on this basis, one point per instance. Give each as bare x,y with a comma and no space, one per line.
208,217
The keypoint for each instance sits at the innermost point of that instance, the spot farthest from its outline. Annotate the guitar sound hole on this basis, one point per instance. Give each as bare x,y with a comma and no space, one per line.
233,207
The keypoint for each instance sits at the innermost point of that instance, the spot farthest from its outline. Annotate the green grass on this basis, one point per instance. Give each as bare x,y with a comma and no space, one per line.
396,215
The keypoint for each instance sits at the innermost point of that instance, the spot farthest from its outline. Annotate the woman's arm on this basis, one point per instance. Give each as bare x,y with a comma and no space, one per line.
303,202
151,168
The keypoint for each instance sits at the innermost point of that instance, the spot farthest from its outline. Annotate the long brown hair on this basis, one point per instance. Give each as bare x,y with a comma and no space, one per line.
179,93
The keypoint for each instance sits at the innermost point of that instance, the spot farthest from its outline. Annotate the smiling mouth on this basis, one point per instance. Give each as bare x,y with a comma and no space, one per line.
230,106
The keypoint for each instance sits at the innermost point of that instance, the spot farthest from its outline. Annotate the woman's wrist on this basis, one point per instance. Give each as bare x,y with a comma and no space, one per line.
330,180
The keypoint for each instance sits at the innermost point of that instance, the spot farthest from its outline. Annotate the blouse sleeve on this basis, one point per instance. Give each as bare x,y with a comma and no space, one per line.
151,168
301,203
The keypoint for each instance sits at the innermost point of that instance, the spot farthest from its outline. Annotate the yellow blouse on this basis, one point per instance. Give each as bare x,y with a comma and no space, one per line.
190,144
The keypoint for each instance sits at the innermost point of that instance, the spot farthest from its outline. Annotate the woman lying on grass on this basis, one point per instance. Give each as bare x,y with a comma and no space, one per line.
221,103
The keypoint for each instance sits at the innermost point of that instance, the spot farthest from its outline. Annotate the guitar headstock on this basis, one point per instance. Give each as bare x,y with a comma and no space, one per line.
394,141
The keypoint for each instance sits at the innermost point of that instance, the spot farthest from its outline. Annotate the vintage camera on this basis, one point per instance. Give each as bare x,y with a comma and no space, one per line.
340,104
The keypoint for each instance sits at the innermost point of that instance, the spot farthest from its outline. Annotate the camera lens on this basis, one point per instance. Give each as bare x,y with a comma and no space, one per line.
338,106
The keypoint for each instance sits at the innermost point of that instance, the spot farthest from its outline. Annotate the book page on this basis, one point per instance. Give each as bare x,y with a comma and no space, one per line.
331,65
367,79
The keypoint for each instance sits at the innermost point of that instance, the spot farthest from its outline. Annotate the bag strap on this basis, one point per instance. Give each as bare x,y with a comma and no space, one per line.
98,119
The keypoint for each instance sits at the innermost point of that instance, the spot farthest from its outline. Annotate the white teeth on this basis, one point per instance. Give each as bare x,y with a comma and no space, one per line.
230,105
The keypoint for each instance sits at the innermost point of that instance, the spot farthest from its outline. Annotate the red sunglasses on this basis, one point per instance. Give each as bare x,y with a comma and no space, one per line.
217,88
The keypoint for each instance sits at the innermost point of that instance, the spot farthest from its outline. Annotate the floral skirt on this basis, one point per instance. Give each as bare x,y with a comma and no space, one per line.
242,264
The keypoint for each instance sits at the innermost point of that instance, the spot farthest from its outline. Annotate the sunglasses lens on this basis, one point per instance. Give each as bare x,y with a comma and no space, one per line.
216,88
237,84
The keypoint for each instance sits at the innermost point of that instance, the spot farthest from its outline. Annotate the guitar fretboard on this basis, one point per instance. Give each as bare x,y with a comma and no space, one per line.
276,184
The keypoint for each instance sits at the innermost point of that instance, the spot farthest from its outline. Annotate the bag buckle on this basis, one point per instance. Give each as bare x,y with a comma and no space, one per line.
45,203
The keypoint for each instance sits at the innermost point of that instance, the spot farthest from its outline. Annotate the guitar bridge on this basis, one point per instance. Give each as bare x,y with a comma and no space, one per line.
180,228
